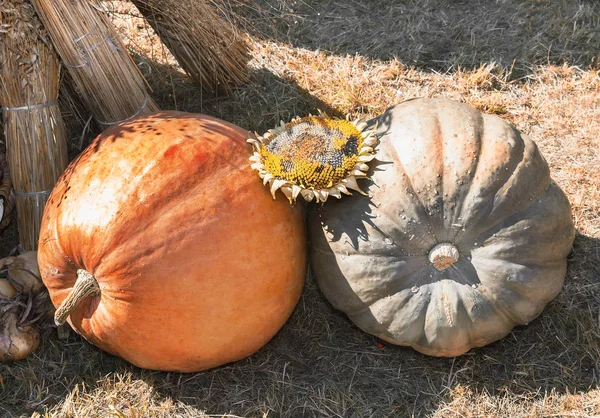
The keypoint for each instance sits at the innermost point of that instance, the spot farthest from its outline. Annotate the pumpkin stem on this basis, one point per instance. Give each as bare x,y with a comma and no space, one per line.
85,286
443,255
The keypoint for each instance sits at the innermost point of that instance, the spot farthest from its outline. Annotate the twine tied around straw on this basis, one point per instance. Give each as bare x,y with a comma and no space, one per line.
46,193
137,113
108,39
31,107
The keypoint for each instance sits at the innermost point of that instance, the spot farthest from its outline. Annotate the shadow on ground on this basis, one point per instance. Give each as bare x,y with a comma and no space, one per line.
436,34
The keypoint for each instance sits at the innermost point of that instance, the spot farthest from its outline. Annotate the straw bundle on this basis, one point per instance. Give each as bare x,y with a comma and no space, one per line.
106,77
7,197
34,130
208,48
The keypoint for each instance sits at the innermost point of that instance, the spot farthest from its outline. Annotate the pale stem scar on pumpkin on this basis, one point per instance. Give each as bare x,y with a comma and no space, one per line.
443,256
314,157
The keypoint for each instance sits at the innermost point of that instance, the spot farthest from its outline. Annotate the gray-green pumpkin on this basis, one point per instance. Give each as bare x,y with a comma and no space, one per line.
462,237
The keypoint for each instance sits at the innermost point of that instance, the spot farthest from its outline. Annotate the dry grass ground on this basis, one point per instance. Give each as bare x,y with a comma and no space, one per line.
533,62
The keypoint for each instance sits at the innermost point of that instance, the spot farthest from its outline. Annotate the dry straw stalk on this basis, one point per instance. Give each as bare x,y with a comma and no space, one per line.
208,47
34,129
7,197
106,77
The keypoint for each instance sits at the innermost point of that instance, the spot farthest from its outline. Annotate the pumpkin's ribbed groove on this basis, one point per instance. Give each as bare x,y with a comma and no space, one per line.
85,286
422,207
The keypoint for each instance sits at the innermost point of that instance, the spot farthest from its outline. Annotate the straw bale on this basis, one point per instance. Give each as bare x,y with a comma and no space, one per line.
33,126
7,196
209,48
106,77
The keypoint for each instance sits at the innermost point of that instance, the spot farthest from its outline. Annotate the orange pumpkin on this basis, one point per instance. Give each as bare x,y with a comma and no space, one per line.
182,259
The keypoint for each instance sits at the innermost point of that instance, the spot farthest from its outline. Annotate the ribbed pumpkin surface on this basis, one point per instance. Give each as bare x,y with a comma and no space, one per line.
464,236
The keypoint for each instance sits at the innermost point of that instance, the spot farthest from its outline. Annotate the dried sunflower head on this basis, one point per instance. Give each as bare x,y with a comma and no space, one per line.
315,157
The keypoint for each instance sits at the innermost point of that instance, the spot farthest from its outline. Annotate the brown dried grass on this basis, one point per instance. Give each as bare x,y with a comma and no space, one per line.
320,364
105,76
33,126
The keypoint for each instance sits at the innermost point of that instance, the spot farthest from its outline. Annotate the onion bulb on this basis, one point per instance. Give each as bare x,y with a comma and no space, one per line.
16,342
